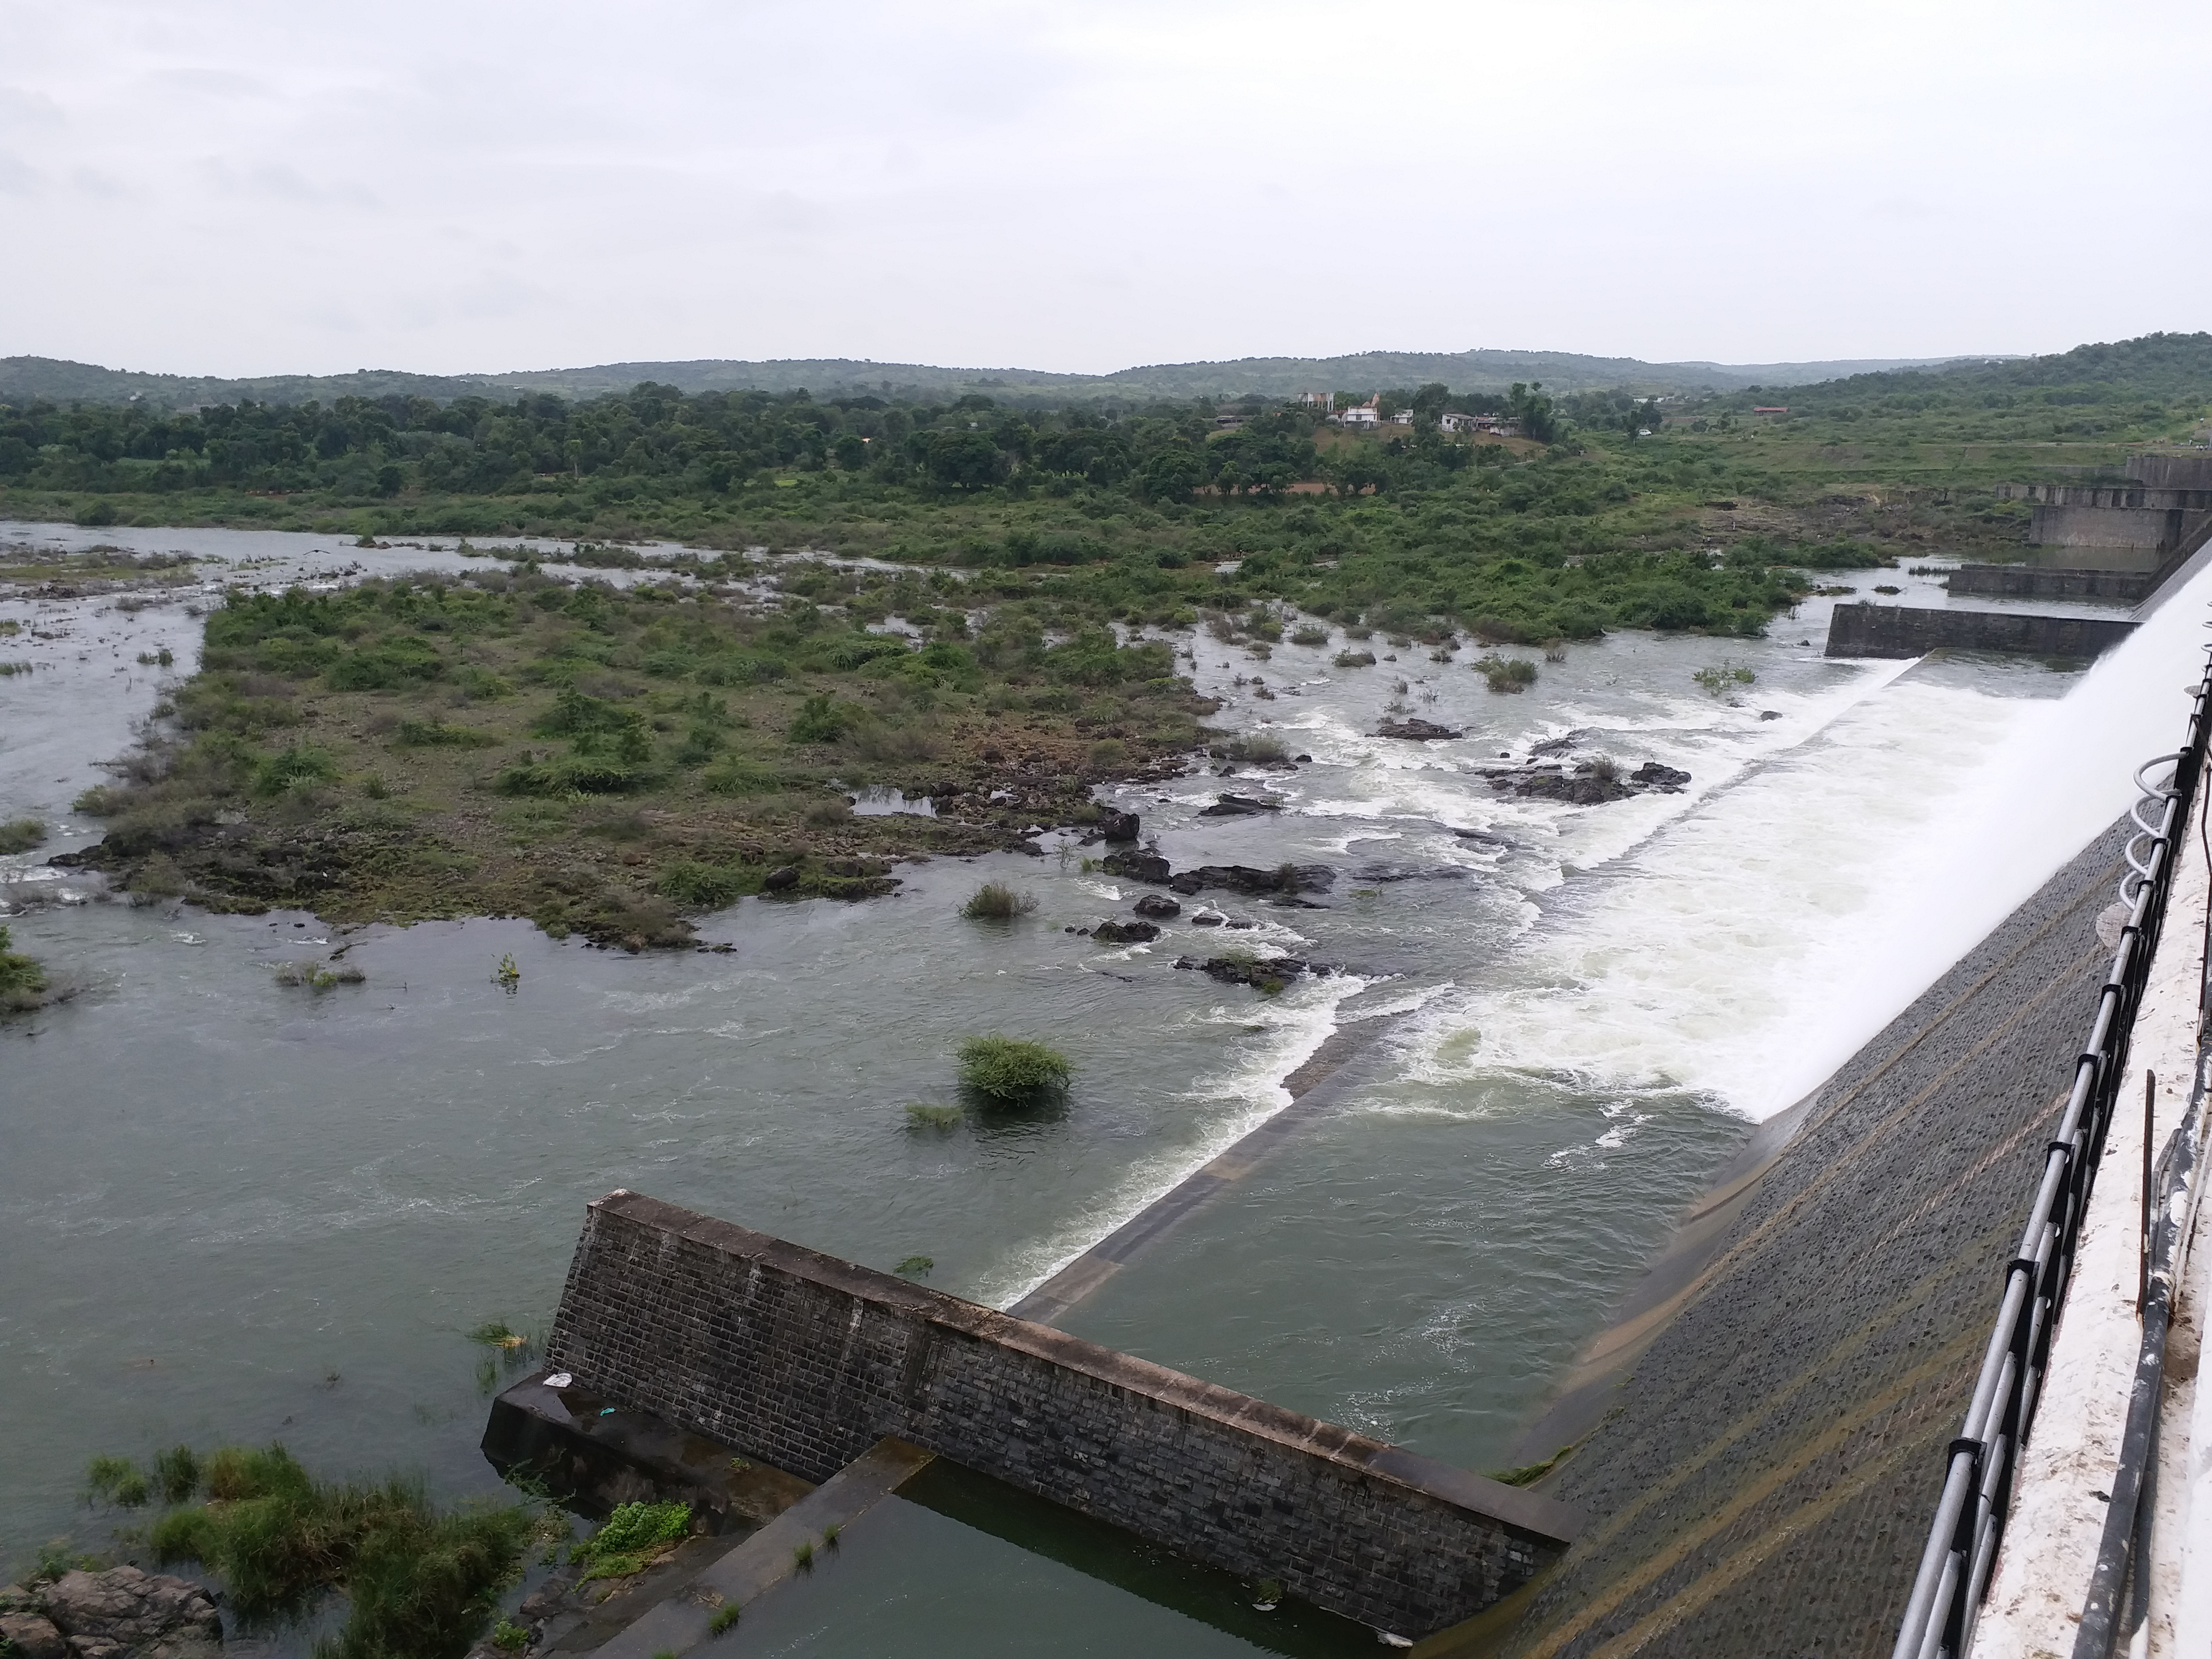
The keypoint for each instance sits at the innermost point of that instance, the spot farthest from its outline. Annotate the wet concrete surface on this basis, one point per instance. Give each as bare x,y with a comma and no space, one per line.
1763,1483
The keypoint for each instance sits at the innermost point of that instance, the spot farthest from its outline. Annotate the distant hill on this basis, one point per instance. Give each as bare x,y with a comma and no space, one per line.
22,379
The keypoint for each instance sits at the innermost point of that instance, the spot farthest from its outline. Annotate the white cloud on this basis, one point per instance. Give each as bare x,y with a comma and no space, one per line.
452,187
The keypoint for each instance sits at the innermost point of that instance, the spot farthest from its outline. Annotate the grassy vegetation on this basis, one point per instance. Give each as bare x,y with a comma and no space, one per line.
996,901
633,1537
611,761
1007,1070
22,980
420,1582
21,835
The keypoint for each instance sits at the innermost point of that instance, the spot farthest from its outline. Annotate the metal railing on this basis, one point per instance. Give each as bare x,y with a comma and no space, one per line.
2123,1568
1970,1517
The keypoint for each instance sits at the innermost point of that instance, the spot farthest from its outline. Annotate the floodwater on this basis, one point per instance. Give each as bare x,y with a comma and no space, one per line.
232,1210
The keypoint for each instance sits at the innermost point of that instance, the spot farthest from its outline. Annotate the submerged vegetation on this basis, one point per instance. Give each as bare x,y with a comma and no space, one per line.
1007,1070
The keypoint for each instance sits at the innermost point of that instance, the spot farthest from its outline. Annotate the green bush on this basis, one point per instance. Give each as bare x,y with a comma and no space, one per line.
19,976
822,718
1007,1069
425,734
293,769
578,775
737,777
707,886
996,901
421,1582
1513,674
635,1536
21,835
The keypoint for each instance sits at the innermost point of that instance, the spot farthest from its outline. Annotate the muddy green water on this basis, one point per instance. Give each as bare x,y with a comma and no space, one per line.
233,1211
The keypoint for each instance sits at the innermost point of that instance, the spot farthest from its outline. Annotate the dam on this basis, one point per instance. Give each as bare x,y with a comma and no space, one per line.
1813,1427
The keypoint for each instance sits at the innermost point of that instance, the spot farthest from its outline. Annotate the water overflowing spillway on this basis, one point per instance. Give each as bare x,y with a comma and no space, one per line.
233,1211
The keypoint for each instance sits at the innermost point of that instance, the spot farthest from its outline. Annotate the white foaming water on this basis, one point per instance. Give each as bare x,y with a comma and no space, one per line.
1753,944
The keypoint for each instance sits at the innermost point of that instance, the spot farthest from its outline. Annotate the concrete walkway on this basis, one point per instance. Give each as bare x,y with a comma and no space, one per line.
684,1621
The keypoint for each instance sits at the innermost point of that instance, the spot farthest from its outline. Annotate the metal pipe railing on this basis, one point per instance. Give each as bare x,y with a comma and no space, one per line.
2123,1553
1980,1464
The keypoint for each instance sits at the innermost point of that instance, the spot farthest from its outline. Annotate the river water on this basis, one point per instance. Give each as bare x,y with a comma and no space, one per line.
235,1210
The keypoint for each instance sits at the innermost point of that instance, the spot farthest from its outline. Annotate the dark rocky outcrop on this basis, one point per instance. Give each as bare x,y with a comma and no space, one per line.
777,880
1591,783
1559,745
1418,731
1158,906
1287,879
1377,874
124,1614
1239,806
1126,933
1137,867
1265,973
1117,826
1665,778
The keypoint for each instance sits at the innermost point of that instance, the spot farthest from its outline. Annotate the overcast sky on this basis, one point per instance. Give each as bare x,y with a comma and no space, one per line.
254,187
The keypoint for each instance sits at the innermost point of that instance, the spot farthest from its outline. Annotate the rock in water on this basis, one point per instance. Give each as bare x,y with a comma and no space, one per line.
1126,933
777,880
1652,775
1286,878
1137,867
1238,806
125,1611
1118,826
1235,971
1419,731
1157,906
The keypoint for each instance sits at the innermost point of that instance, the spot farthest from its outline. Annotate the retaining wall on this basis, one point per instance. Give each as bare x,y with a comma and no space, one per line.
806,1361
1904,630
2162,528
2029,582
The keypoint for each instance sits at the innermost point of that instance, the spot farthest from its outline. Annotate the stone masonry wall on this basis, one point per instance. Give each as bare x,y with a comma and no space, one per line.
806,1361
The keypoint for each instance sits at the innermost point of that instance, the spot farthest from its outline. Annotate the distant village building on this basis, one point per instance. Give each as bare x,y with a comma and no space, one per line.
1453,421
1403,417
1360,415
1770,410
1324,401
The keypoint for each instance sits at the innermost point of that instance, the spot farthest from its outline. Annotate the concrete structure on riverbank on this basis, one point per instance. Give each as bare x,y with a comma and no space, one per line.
1904,630
808,1362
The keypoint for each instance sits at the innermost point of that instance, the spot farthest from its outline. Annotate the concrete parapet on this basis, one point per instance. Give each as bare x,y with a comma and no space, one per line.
1904,630
806,1362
